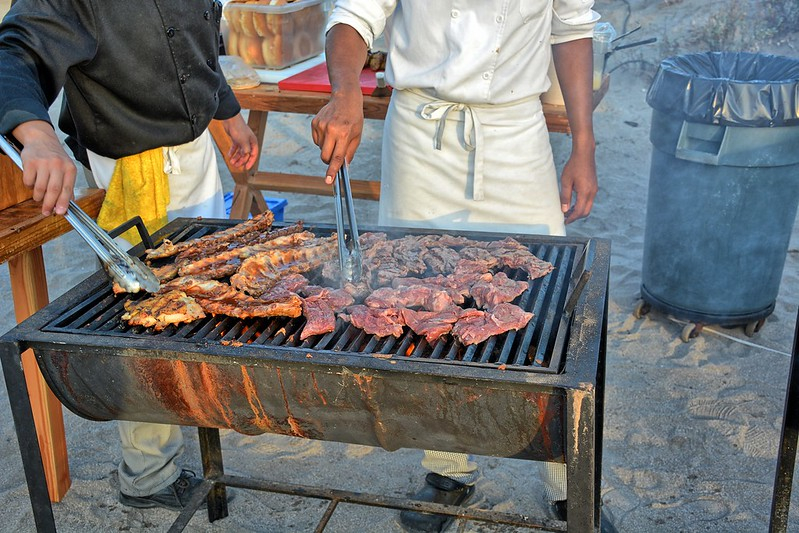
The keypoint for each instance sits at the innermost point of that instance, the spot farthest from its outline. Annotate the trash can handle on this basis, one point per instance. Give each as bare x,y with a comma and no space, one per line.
701,143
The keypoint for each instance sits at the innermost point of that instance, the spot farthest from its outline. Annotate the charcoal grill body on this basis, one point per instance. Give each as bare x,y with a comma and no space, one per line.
393,393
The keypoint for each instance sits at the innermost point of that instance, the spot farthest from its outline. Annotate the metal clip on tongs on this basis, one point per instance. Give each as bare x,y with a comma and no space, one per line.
128,271
349,251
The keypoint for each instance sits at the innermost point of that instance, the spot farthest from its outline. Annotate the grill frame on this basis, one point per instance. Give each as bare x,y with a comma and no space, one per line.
571,418
541,344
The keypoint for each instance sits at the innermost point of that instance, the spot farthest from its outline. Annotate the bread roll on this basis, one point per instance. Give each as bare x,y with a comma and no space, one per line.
232,43
233,16
272,49
276,21
247,22
250,50
261,25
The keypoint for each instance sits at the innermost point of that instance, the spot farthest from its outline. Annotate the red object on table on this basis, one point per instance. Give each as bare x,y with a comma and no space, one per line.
315,79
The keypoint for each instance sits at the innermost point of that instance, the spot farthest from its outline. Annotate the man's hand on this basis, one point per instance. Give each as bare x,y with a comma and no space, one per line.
578,180
47,169
244,148
337,130
338,126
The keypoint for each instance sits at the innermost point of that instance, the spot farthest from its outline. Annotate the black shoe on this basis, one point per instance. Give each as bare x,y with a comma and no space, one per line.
437,489
174,497
558,510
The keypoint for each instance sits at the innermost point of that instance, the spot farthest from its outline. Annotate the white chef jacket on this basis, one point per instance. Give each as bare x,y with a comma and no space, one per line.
469,51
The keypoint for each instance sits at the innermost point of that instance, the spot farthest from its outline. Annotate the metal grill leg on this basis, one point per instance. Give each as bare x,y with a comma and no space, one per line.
10,354
581,505
786,459
211,451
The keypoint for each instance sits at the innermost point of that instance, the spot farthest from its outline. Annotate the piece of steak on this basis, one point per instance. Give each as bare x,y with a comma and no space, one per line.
499,289
380,322
428,297
432,324
475,326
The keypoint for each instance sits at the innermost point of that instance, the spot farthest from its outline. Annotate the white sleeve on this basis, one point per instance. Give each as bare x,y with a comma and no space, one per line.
367,17
573,19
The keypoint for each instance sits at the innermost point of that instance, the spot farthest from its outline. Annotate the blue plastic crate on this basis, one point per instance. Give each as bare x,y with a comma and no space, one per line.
276,205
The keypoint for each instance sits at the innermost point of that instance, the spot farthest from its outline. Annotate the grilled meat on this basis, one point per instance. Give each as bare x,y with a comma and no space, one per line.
220,298
432,324
319,307
427,297
380,322
228,262
475,326
498,289
163,309
257,223
264,269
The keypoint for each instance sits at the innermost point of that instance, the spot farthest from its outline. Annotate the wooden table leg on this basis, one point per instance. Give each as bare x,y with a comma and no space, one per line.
29,290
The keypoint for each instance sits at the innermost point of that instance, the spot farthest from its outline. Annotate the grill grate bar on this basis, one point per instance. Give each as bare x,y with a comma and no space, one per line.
82,316
538,332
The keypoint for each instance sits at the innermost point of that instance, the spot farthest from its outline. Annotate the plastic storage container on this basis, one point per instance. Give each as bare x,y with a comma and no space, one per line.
723,187
276,34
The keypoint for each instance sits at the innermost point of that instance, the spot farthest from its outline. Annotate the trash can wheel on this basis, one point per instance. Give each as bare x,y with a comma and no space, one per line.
642,308
753,327
691,331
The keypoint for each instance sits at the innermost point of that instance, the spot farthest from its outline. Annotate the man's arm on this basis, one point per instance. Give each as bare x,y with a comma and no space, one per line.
337,128
574,66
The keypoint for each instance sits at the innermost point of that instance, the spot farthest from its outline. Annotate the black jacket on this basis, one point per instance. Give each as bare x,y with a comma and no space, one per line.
136,74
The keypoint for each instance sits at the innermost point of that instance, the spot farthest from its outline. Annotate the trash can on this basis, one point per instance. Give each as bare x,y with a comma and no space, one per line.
723,187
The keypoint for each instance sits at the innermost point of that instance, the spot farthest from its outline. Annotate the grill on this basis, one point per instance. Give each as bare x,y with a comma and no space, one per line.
540,388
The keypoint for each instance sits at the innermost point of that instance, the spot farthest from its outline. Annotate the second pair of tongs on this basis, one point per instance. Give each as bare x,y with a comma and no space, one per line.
129,272
349,249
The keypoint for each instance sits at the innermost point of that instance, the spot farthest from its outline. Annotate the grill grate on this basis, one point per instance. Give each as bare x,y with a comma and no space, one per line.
538,347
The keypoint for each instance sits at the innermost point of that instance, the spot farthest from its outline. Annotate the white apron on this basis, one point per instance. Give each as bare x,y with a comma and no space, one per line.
195,188
468,167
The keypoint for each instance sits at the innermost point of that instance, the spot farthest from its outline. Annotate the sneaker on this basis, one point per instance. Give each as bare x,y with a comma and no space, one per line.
174,497
438,489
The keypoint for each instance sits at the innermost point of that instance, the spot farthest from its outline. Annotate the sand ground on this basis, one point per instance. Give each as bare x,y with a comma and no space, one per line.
691,429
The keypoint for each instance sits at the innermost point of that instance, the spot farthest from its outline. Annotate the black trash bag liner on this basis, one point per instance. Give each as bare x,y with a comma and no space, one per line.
728,88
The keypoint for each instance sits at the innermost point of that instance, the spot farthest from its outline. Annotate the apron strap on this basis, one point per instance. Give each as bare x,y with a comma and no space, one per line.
439,110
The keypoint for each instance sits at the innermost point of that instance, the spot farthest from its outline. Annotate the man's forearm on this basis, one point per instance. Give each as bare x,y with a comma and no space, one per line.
345,51
574,66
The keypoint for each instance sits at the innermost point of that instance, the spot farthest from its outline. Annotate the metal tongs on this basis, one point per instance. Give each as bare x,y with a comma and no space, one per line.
349,250
128,271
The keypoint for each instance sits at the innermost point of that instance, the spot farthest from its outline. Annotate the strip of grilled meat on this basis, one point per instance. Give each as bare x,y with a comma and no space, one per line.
257,223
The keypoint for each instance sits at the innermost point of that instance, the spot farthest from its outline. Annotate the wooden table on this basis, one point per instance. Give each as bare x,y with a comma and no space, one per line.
247,197
23,231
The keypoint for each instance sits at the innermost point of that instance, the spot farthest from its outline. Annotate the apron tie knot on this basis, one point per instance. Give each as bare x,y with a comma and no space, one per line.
439,111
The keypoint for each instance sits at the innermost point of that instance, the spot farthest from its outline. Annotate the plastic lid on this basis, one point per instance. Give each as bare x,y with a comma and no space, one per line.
728,88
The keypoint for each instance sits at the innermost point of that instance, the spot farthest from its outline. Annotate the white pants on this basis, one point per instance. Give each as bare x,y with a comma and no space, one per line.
475,168
149,450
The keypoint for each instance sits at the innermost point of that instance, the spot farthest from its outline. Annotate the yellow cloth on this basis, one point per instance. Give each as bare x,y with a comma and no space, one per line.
139,186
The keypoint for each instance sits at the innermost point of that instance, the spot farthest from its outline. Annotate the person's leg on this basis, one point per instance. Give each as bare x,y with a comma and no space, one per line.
455,466
555,485
450,481
149,452
148,474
